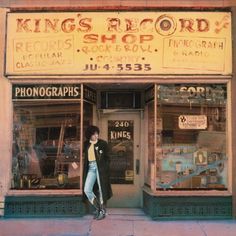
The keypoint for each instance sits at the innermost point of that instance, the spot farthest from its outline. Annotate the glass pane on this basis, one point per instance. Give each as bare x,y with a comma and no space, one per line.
191,148
46,145
121,145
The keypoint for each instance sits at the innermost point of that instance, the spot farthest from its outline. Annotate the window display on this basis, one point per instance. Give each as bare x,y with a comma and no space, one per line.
47,135
46,139
191,149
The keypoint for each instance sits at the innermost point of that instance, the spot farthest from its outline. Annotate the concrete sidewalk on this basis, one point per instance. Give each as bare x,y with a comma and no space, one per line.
119,222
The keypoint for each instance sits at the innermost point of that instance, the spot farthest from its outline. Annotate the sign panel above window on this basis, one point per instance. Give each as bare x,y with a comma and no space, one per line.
118,43
45,91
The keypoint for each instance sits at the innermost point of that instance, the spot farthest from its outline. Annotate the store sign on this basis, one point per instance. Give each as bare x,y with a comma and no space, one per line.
192,94
192,122
118,43
45,91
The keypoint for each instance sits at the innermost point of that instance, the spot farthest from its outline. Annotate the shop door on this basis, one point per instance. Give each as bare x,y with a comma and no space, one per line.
122,131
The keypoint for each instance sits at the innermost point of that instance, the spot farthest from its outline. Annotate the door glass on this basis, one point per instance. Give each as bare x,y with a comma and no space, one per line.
121,142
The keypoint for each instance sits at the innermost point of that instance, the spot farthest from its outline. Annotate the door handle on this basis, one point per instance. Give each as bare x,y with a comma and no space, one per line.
137,166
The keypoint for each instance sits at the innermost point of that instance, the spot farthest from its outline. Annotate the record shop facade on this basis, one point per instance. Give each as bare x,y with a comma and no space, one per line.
158,83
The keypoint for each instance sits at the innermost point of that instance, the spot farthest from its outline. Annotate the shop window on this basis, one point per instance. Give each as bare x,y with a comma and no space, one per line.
191,149
46,145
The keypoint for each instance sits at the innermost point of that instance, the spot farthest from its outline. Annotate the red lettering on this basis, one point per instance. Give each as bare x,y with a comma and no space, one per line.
90,38
186,25
23,25
37,25
131,25
66,26
144,38
85,24
203,25
144,25
105,38
129,38
49,25
113,24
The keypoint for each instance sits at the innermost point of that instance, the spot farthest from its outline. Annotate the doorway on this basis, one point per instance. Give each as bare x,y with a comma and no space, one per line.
122,131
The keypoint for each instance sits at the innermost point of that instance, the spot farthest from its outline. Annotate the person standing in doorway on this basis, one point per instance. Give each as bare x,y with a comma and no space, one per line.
96,175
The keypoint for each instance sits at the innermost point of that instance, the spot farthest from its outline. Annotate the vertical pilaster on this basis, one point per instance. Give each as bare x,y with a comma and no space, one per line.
5,117
233,93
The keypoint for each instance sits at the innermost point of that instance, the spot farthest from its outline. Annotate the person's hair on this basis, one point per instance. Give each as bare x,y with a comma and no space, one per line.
91,130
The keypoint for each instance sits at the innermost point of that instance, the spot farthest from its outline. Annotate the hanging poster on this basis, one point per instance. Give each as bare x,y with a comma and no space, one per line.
121,141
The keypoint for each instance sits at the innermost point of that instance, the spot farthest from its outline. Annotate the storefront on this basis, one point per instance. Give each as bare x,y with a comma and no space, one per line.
159,86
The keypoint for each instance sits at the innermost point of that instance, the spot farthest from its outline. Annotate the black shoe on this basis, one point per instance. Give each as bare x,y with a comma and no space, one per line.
100,212
101,215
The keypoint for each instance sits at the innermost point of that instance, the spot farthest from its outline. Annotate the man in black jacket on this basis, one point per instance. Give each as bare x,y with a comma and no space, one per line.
96,177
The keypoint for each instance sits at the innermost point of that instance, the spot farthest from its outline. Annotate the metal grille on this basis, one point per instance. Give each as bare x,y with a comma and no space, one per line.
44,206
188,207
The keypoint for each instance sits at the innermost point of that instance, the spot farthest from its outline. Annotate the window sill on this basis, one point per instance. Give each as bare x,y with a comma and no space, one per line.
187,192
44,192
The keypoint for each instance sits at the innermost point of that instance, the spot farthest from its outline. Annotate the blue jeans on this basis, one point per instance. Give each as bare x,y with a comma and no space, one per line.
91,178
